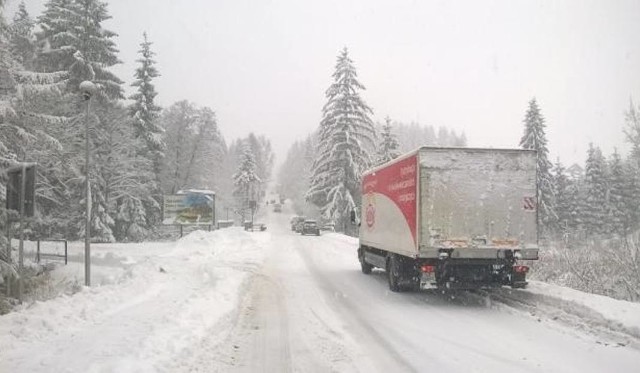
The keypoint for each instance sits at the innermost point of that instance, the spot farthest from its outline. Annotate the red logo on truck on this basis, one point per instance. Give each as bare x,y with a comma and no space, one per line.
370,215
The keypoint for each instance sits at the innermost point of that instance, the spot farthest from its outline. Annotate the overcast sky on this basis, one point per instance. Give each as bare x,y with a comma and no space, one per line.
471,66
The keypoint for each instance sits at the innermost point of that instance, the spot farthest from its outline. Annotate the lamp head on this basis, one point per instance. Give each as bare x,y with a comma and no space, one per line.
87,89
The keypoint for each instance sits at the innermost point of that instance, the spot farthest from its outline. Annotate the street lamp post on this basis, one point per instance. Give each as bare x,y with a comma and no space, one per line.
88,89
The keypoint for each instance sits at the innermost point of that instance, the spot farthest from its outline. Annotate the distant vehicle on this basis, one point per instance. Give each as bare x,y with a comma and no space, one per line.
251,226
225,223
277,207
310,227
450,218
296,223
328,226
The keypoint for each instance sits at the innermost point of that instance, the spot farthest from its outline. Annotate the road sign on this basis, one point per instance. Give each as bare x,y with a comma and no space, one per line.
529,203
14,186
189,208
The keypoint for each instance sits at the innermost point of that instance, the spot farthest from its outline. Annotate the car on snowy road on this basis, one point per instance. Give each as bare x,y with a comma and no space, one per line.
296,223
310,227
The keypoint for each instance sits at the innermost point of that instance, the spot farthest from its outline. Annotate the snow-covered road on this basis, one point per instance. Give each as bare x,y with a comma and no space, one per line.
276,301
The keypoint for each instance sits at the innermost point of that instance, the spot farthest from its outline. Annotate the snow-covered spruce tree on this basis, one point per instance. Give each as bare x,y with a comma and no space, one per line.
444,138
7,62
294,173
575,196
345,139
21,37
388,148
144,110
264,157
618,223
245,180
73,40
23,135
562,201
632,193
534,138
145,113
632,165
632,132
594,209
121,176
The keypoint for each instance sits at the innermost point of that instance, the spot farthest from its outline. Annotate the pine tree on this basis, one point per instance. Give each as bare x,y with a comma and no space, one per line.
21,37
345,139
294,173
27,135
264,157
575,196
444,138
460,141
594,209
534,138
121,178
245,180
74,40
562,198
388,148
144,110
632,132
631,196
616,208
131,220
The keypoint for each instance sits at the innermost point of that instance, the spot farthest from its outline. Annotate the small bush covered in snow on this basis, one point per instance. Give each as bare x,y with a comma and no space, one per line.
608,267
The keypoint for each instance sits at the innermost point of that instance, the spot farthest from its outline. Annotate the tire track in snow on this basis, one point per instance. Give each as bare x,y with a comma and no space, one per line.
263,342
387,355
565,312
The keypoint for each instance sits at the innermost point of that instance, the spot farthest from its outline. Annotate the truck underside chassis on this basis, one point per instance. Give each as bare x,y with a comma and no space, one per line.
406,273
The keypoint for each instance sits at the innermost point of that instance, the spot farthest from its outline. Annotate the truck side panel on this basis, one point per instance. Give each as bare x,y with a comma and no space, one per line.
389,212
477,193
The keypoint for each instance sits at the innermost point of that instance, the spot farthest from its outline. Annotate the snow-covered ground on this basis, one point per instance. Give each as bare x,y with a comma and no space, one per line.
272,301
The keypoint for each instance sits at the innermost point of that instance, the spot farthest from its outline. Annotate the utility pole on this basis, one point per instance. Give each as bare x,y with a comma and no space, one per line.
23,187
88,89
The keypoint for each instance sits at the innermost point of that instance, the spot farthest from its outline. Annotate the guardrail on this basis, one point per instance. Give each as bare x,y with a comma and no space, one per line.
40,255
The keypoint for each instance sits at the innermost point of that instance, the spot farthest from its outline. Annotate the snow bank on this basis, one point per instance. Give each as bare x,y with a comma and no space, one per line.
617,313
150,303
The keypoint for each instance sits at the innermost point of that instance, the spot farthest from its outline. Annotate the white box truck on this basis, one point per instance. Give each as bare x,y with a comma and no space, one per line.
452,218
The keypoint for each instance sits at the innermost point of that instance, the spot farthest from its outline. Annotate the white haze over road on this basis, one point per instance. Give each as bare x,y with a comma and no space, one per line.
231,300
471,65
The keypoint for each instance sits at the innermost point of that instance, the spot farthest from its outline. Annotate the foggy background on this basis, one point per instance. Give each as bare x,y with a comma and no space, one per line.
264,66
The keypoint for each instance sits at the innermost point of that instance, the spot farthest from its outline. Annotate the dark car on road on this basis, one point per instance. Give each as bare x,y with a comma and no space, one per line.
310,227
296,223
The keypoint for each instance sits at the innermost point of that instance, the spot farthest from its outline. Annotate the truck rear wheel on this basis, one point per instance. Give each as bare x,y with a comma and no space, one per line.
393,274
365,267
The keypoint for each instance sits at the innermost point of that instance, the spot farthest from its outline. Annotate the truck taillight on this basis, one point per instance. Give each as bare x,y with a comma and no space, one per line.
428,269
520,269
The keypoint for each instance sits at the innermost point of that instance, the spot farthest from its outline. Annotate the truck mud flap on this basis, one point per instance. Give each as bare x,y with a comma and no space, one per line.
375,260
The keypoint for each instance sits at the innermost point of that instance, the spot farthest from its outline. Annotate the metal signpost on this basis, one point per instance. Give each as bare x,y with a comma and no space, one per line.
21,197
